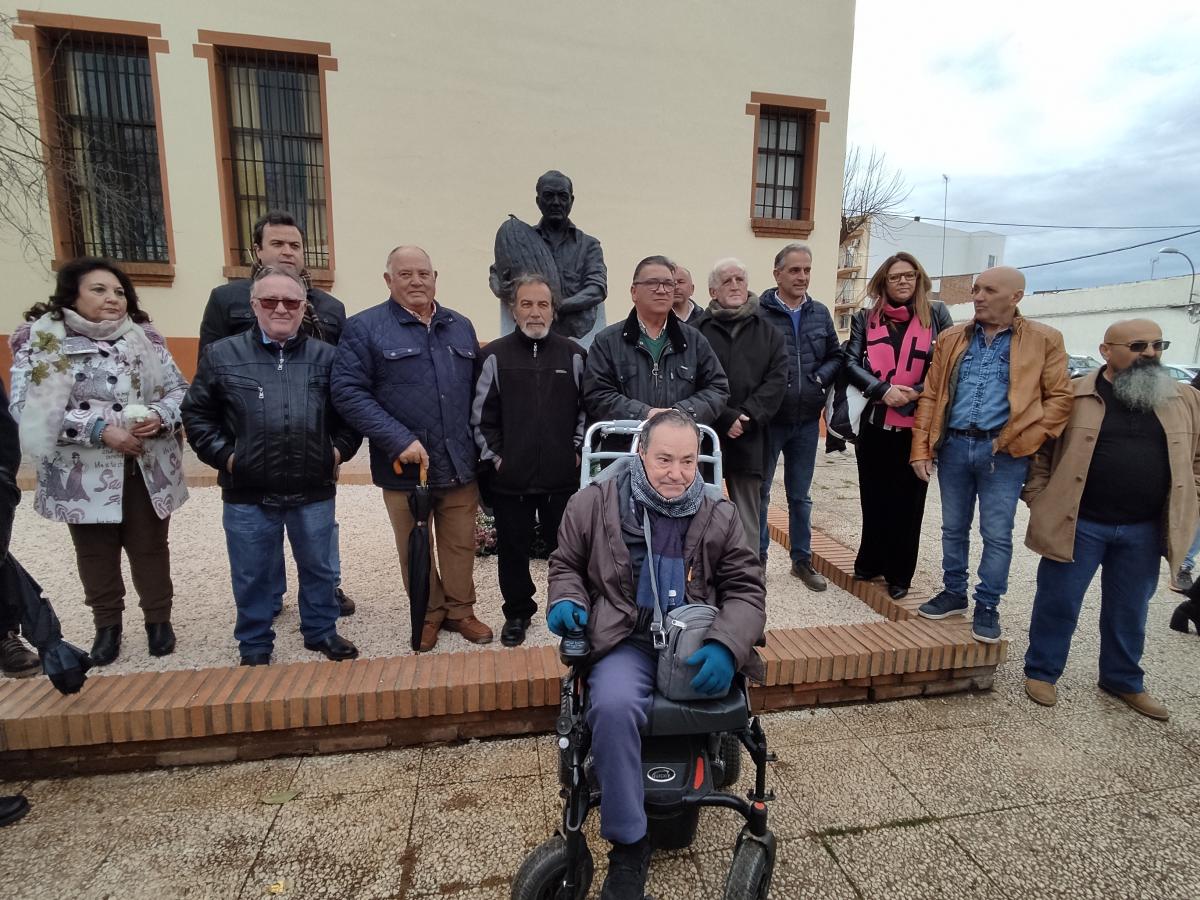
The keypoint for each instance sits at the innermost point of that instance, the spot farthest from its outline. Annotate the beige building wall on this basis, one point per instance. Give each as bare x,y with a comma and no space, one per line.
442,115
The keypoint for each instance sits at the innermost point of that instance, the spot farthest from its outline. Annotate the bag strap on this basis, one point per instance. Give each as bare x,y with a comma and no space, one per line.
657,635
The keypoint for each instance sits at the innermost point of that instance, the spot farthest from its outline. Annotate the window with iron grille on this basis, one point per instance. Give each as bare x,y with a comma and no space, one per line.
276,146
107,135
779,164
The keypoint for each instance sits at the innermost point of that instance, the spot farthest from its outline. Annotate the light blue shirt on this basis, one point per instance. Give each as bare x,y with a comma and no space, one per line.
981,397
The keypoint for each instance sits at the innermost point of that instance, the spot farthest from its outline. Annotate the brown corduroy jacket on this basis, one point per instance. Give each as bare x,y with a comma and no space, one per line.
1039,390
592,567
1058,474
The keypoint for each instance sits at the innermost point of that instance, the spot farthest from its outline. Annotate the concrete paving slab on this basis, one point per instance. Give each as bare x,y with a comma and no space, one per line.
336,847
357,773
910,862
927,714
1112,847
803,726
465,833
44,855
479,761
991,767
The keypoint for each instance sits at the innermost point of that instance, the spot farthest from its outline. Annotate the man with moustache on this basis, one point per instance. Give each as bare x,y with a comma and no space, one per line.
753,356
996,390
404,376
1117,488
687,310
529,424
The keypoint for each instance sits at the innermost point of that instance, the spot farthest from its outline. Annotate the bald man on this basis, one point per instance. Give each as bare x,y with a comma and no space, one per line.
404,376
1111,494
996,390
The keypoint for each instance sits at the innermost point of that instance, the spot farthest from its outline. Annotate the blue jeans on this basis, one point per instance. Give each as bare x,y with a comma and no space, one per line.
278,577
968,470
1189,561
1128,557
254,536
620,686
798,443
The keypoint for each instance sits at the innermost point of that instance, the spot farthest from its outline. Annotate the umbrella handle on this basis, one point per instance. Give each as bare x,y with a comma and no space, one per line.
424,475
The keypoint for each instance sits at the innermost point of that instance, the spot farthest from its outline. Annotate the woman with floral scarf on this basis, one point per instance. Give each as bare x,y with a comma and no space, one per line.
97,396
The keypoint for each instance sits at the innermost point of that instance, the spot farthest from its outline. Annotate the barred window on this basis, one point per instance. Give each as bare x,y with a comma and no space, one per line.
276,146
779,166
107,135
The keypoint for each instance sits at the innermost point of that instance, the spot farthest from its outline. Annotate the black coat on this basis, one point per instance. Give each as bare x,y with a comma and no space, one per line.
855,352
10,461
528,412
814,357
621,380
228,313
754,358
270,408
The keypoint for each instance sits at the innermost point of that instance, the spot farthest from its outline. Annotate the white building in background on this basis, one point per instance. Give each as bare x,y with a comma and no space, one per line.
1083,315
967,252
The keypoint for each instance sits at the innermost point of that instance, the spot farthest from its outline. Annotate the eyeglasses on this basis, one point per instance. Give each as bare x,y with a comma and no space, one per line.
657,284
902,276
291,304
1140,346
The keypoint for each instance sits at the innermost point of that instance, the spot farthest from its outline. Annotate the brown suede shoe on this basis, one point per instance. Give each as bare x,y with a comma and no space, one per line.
1141,702
1041,692
470,628
429,636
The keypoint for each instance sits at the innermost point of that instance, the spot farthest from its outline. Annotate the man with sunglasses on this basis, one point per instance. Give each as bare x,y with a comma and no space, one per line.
996,390
278,243
1115,491
652,361
260,413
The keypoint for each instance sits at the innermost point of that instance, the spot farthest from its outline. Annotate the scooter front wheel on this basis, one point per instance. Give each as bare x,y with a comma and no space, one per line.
542,874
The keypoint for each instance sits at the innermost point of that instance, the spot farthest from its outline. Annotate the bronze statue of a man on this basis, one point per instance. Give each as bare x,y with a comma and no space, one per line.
579,277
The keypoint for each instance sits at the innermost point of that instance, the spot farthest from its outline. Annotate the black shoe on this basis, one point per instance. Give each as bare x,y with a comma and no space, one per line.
864,576
160,637
17,660
334,647
345,604
256,659
107,645
1188,611
513,632
12,809
896,592
627,867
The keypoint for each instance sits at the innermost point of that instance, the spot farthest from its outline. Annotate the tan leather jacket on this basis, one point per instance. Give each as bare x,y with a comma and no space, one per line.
1058,473
1039,390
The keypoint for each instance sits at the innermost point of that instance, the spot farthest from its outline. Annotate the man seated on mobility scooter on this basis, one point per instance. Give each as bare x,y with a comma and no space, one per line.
650,529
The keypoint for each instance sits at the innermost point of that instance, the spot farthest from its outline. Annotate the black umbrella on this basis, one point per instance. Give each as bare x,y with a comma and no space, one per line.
420,502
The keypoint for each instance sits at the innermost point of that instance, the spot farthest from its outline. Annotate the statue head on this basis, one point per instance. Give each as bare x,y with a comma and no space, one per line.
555,196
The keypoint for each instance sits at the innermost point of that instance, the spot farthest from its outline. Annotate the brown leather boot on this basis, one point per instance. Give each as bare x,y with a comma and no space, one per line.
429,636
470,628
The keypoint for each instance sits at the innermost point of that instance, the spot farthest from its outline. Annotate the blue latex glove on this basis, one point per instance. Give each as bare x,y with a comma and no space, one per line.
716,669
566,615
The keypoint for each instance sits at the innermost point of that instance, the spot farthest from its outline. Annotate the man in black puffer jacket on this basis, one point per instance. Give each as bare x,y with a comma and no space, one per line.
814,358
260,413
529,422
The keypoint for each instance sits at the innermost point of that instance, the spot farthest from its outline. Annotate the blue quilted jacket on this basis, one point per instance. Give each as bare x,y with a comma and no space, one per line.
396,381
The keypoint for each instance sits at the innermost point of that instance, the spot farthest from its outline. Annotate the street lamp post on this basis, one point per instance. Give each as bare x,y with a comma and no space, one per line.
1193,310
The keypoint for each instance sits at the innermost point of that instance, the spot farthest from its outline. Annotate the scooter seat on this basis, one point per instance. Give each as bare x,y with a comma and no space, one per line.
671,717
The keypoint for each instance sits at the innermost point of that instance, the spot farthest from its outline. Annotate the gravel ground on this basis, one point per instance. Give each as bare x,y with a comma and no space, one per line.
204,609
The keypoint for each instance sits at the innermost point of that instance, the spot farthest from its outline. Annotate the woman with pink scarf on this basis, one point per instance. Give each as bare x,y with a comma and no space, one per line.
887,356
97,397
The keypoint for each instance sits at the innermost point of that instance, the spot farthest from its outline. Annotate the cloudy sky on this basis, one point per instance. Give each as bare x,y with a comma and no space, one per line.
1045,112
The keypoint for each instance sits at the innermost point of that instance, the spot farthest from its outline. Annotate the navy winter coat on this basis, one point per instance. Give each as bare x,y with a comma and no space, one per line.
396,381
814,357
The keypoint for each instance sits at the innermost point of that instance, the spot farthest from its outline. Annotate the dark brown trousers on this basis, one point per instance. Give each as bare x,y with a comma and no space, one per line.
143,537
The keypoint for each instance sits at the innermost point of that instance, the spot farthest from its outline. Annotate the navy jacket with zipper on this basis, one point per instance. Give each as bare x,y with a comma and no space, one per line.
397,380
622,381
528,413
814,356
269,408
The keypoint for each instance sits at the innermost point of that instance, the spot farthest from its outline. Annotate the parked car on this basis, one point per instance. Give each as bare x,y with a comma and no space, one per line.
1081,365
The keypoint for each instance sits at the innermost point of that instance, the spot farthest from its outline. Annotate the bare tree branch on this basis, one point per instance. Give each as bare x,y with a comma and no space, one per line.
869,189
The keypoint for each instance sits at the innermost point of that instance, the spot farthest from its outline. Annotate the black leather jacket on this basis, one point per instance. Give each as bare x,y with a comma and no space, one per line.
268,407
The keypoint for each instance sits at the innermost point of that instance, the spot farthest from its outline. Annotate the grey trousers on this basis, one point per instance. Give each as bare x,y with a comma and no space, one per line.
745,492
619,690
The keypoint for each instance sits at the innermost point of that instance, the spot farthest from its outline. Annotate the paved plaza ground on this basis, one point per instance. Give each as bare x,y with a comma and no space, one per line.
983,795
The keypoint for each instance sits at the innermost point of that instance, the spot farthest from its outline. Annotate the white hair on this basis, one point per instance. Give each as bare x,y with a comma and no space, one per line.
729,262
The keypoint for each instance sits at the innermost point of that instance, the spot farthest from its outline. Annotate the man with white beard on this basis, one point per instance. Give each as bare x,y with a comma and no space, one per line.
1112,492
529,425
